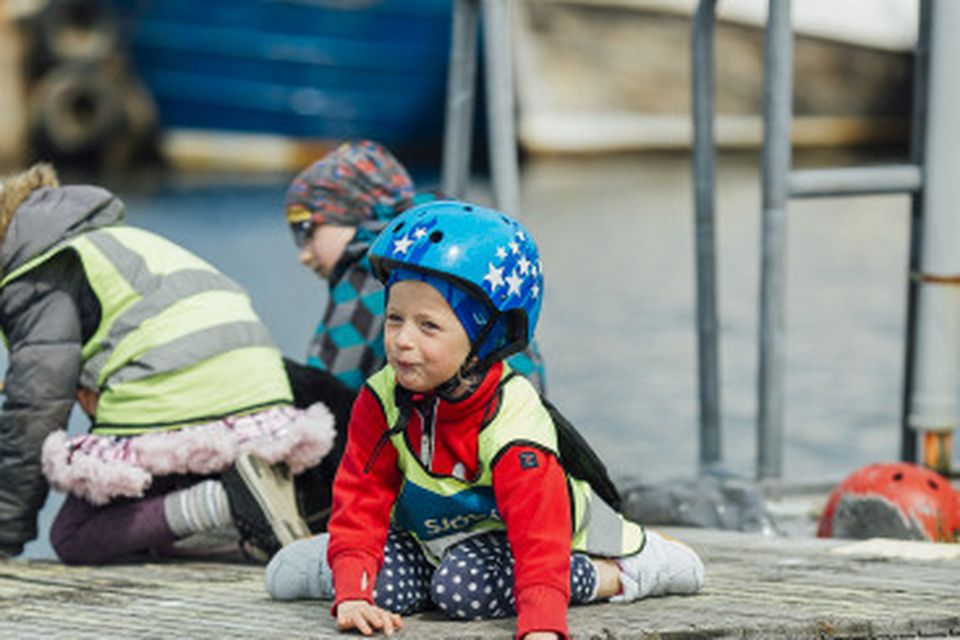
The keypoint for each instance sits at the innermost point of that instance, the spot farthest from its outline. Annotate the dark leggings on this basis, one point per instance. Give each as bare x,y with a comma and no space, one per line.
474,581
84,533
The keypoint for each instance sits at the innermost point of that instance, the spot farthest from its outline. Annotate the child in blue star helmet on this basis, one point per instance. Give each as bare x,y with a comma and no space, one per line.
455,490
484,263
335,208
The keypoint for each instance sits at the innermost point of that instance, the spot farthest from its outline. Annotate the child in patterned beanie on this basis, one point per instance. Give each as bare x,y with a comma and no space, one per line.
335,207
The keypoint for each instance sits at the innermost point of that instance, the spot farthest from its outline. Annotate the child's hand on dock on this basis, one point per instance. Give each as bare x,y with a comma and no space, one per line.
366,618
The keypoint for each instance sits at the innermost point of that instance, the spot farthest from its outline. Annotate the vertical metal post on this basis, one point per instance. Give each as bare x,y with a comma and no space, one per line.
777,109
461,93
933,403
500,105
921,59
704,180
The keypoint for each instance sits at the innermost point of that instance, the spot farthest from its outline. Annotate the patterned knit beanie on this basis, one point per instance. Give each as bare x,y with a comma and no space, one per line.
357,184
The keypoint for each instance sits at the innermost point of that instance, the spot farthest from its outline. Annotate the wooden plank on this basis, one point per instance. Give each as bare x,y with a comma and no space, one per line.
757,587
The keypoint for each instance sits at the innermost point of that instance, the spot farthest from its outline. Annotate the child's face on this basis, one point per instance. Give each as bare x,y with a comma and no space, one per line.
426,344
325,247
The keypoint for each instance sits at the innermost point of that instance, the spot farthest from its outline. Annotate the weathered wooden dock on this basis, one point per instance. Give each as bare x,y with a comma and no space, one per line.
757,587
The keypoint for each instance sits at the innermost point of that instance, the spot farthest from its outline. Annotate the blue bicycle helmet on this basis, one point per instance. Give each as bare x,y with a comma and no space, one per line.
486,253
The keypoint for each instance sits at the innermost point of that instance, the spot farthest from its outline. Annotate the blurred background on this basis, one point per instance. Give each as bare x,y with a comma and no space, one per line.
198,114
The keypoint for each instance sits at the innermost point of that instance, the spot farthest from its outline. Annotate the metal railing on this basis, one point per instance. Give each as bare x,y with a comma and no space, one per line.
708,351
461,95
779,184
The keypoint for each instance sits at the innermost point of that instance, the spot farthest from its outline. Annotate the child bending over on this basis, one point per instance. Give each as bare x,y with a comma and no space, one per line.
192,423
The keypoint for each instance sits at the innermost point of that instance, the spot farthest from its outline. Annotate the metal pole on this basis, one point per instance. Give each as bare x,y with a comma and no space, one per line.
704,180
849,181
500,105
933,403
461,91
777,97
921,59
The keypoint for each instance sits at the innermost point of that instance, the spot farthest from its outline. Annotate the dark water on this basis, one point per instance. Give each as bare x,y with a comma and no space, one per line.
617,327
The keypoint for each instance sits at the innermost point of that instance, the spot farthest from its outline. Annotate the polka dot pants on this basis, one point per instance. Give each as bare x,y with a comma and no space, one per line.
474,580
403,584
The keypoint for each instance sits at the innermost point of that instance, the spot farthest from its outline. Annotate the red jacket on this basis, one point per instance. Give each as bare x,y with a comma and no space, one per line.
531,499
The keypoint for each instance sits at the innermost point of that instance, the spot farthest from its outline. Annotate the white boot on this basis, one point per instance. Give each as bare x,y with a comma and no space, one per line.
663,567
299,571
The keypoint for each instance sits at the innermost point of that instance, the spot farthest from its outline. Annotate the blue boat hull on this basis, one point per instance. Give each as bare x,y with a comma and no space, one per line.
314,70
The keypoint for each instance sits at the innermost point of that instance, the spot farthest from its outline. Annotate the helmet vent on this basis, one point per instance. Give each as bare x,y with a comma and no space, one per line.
397,228
436,236
933,485
898,476
467,208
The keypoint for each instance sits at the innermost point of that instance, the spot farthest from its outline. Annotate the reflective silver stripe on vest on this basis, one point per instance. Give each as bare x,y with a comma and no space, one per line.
173,288
604,528
157,293
192,348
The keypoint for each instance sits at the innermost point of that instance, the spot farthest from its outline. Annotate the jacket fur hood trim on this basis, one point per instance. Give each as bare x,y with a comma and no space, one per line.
15,189
101,468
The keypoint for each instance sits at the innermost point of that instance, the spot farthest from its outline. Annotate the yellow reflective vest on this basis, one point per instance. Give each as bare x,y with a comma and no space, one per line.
178,342
442,510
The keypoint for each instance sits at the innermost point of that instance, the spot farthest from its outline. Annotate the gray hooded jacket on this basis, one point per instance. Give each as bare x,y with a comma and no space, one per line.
45,315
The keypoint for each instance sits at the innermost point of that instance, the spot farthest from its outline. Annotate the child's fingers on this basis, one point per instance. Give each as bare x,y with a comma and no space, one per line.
352,617
391,622
354,620
367,618
384,621
363,626
397,620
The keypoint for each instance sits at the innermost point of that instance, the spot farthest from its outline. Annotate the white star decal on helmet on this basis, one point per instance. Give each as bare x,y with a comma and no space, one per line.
514,282
494,276
401,245
523,265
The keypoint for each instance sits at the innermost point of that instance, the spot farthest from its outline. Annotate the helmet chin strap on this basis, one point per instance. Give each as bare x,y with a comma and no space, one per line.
470,373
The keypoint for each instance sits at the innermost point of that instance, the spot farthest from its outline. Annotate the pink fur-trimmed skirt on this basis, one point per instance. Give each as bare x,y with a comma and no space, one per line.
101,468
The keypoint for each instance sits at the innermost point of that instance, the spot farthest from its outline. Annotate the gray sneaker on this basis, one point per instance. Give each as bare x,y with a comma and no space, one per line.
300,571
263,506
663,567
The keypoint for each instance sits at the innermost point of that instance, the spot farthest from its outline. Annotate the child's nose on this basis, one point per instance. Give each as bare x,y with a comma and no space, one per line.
403,336
305,256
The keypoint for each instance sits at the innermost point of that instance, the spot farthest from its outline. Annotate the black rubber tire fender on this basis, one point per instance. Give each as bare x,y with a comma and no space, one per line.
76,109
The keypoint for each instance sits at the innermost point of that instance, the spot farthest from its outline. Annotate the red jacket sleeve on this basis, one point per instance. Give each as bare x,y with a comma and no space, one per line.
531,493
362,502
